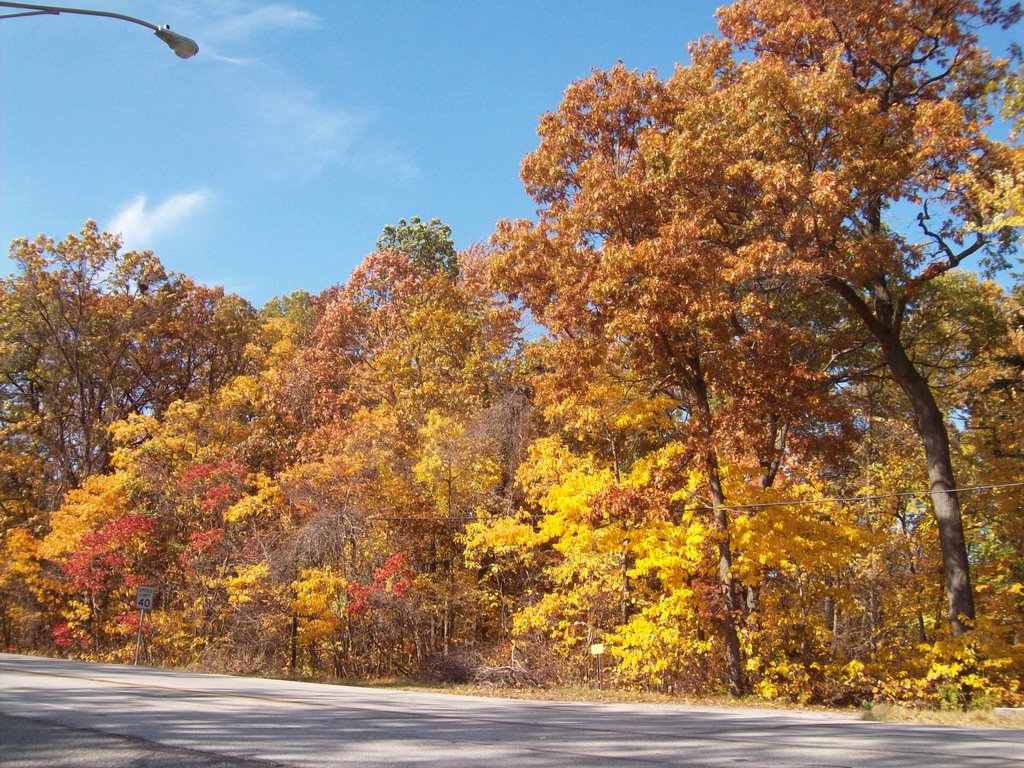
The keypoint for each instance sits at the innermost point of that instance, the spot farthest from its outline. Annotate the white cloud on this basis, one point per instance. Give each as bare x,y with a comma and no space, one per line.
298,135
224,27
247,24
139,225
236,60
290,129
378,159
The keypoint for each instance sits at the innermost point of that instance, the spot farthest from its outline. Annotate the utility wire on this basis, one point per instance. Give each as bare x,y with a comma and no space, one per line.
872,497
762,505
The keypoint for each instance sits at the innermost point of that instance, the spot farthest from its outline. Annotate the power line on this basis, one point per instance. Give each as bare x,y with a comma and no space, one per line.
872,497
795,502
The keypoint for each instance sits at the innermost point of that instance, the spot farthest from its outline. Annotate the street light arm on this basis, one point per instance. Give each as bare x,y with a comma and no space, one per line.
183,46
27,13
55,10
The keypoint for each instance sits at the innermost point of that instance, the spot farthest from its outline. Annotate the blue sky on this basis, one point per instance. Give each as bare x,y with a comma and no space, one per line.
272,160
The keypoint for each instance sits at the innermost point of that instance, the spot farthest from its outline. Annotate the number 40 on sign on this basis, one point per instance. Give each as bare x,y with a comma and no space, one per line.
144,598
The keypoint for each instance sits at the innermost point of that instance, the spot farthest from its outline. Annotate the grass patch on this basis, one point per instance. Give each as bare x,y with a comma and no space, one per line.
975,718
584,694
575,693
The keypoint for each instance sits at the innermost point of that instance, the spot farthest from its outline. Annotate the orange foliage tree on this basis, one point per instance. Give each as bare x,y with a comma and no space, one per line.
624,263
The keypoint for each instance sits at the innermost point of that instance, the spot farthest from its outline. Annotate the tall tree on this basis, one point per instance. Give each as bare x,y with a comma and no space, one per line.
408,363
856,114
621,263
89,335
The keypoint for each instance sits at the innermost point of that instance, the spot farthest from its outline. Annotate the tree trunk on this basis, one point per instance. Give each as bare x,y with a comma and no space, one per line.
733,661
624,603
931,427
883,319
294,644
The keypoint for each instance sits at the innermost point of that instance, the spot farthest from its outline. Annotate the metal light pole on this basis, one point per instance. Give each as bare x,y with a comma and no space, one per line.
184,47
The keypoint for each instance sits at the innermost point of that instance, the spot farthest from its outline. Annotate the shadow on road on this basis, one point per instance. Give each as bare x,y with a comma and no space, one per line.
321,725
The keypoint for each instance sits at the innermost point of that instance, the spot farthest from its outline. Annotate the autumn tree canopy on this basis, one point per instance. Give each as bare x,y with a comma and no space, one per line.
91,335
730,405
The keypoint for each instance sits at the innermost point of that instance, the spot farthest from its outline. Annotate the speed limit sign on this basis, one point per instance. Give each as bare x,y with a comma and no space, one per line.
144,598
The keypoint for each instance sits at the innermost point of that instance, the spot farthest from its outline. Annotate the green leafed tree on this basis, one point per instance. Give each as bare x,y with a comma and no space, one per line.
428,245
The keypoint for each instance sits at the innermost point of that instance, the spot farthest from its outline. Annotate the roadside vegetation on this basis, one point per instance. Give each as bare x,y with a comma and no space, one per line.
739,413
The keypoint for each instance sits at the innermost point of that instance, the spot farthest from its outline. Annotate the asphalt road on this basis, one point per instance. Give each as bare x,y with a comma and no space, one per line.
64,713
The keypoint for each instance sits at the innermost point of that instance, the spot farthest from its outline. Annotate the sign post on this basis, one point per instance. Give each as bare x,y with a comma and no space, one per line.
144,602
597,650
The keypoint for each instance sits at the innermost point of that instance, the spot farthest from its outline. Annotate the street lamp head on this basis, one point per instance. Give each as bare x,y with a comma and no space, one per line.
184,47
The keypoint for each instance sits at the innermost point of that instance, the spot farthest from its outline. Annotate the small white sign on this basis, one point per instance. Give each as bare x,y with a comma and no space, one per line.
597,649
144,598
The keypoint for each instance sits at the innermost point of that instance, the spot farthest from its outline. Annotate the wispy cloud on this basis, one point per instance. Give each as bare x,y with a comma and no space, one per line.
225,27
247,24
231,25
293,129
140,224
381,159
236,60
298,134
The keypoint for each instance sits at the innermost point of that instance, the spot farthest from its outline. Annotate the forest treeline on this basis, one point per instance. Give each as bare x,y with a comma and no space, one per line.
729,405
